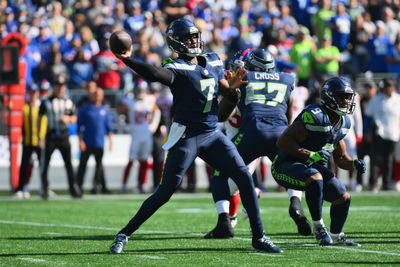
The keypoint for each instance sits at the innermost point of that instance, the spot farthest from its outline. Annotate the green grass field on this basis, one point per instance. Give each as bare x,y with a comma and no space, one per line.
65,232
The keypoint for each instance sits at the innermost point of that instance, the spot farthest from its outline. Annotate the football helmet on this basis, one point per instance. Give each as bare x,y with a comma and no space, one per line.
260,60
183,37
239,59
338,96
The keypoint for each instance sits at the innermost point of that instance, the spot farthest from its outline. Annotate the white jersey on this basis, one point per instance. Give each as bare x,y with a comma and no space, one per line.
232,125
139,114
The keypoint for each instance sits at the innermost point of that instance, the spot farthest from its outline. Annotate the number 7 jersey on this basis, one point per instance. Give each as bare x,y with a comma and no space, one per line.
195,91
266,96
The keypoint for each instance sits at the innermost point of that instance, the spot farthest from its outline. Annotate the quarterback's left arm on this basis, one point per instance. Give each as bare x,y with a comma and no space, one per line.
344,161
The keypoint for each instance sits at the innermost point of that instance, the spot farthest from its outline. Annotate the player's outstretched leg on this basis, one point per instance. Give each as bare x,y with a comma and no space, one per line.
296,212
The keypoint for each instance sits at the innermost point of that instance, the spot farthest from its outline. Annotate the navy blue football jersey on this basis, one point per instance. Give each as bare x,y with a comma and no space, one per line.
321,133
266,95
195,91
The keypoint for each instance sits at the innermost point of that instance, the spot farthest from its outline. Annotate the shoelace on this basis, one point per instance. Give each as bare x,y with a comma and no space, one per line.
265,239
120,240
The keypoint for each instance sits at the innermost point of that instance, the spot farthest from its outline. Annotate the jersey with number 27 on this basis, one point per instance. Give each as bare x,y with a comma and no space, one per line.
195,91
267,96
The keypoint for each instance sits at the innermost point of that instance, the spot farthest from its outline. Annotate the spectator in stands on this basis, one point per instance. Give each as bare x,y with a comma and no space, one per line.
393,58
378,47
107,67
327,58
321,19
60,112
81,71
385,112
57,67
392,25
340,26
34,132
93,124
173,9
57,21
89,41
135,21
357,46
301,55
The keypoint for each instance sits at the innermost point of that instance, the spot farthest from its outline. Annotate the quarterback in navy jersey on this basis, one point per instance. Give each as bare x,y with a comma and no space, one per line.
195,80
265,110
305,147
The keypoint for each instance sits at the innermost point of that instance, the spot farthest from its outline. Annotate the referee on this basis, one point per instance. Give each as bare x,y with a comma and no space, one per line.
60,112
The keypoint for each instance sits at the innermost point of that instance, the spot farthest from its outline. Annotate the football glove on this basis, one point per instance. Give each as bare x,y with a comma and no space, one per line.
321,156
359,165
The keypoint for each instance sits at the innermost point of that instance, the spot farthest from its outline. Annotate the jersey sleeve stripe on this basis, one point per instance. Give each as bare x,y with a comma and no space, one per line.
180,66
215,63
315,128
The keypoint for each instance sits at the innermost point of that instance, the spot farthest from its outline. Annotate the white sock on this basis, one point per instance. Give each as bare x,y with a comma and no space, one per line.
319,223
222,206
294,193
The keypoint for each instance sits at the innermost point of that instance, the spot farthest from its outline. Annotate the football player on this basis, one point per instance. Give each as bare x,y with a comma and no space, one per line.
304,149
265,113
232,125
195,79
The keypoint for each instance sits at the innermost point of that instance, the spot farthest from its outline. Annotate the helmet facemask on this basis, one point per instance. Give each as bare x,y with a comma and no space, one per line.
189,45
341,103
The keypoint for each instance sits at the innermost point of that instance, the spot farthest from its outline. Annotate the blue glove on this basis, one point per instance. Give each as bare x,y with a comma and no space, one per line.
321,156
359,165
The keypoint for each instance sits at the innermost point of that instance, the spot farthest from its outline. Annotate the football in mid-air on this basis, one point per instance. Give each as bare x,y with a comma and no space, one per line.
120,42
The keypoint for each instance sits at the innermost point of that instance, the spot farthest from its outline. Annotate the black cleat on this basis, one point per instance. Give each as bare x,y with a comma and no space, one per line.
263,244
223,229
322,236
342,240
119,244
296,212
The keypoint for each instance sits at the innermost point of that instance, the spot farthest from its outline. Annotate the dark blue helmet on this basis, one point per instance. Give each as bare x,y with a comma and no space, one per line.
183,37
239,59
338,96
260,60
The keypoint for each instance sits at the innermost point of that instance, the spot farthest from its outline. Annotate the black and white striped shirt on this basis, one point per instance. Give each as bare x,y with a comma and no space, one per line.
55,108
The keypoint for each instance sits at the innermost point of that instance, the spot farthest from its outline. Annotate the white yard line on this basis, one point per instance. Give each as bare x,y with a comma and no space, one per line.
150,257
31,259
358,250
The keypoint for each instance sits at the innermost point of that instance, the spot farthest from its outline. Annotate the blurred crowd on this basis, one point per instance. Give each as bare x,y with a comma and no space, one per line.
312,39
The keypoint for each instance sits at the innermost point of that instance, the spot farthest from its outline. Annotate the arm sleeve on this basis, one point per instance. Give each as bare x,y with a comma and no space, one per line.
149,72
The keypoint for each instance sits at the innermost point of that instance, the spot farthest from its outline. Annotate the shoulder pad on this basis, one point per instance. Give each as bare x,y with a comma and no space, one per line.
167,60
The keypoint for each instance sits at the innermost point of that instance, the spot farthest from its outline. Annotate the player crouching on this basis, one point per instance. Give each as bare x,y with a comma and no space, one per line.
305,148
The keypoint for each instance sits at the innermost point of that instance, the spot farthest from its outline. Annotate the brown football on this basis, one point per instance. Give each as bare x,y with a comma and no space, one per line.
120,42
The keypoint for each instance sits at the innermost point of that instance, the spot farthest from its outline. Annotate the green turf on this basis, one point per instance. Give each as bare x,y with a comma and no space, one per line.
64,232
